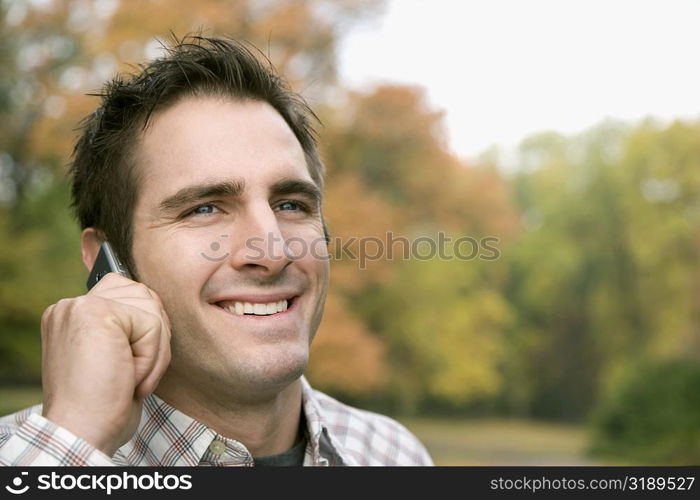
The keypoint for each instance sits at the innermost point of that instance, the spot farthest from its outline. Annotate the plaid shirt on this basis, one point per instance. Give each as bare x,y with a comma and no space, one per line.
336,435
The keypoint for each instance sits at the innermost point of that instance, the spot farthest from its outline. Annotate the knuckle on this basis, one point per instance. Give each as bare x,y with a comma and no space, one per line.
105,282
112,277
63,307
47,313
85,306
156,297
142,289
45,319
62,303
149,320
81,304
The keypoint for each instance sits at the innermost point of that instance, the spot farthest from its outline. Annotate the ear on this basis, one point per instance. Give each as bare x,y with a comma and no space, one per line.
90,241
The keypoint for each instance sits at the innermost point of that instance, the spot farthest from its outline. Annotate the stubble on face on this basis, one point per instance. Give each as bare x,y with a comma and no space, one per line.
210,141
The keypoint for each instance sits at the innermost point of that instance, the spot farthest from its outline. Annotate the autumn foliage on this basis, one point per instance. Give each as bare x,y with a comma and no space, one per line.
594,238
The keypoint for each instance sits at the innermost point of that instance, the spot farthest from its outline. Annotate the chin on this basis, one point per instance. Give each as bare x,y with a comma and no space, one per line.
270,370
241,365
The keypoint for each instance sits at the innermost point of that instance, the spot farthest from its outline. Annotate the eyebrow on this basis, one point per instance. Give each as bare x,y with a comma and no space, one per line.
297,186
192,194
233,189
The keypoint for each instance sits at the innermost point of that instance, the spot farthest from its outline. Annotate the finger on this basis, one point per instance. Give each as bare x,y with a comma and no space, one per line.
169,325
110,280
46,317
149,384
147,305
131,289
142,330
145,349
128,289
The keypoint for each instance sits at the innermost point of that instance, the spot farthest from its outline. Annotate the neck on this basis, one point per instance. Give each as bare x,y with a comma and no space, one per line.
265,425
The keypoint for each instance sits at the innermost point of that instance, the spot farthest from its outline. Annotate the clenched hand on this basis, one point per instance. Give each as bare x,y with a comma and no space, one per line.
103,353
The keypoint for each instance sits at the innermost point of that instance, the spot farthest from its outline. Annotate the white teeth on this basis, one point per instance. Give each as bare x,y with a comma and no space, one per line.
266,309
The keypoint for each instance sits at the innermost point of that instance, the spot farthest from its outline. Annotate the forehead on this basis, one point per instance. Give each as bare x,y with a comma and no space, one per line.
211,139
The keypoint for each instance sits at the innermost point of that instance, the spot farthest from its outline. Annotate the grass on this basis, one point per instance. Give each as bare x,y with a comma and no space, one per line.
450,441
502,442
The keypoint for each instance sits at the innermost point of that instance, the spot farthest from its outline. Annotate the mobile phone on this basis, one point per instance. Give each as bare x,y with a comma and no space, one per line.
106,262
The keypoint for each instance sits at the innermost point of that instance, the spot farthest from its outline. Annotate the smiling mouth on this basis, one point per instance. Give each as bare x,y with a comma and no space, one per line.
240,308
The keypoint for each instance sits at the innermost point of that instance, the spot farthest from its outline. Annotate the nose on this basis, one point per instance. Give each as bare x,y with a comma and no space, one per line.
259,246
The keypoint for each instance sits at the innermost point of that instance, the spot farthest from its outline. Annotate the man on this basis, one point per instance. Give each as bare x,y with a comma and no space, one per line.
201,171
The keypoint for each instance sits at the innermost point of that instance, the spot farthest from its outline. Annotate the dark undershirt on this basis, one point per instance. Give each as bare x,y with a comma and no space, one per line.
293,457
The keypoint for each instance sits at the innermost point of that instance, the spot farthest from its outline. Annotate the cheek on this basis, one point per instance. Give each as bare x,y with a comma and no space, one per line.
172,263
306,243
310,255
315,263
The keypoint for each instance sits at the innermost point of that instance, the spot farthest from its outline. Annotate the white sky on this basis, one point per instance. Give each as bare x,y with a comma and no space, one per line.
502,69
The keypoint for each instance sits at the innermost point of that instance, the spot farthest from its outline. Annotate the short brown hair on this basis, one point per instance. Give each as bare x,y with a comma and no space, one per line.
104,180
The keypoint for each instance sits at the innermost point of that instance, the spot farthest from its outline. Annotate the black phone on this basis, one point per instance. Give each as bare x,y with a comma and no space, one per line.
106,262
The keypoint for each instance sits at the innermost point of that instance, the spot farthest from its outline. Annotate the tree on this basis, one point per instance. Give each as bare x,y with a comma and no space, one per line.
592,279
52,54
392,179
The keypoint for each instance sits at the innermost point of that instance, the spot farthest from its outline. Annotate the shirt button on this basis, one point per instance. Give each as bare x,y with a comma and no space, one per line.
217,447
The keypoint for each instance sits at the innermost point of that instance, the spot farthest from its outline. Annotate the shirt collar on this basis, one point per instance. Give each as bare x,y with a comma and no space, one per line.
324,449
168,437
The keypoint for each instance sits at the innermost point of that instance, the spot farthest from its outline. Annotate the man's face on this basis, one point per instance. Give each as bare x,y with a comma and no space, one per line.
223,184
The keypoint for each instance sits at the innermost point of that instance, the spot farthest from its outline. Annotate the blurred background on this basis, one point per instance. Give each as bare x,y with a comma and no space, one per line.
569,131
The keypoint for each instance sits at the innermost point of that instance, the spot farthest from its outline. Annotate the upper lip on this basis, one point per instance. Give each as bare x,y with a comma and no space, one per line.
256,298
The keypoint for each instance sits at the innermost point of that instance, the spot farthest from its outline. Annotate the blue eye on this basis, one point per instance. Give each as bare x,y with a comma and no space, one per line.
203,209
289,205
